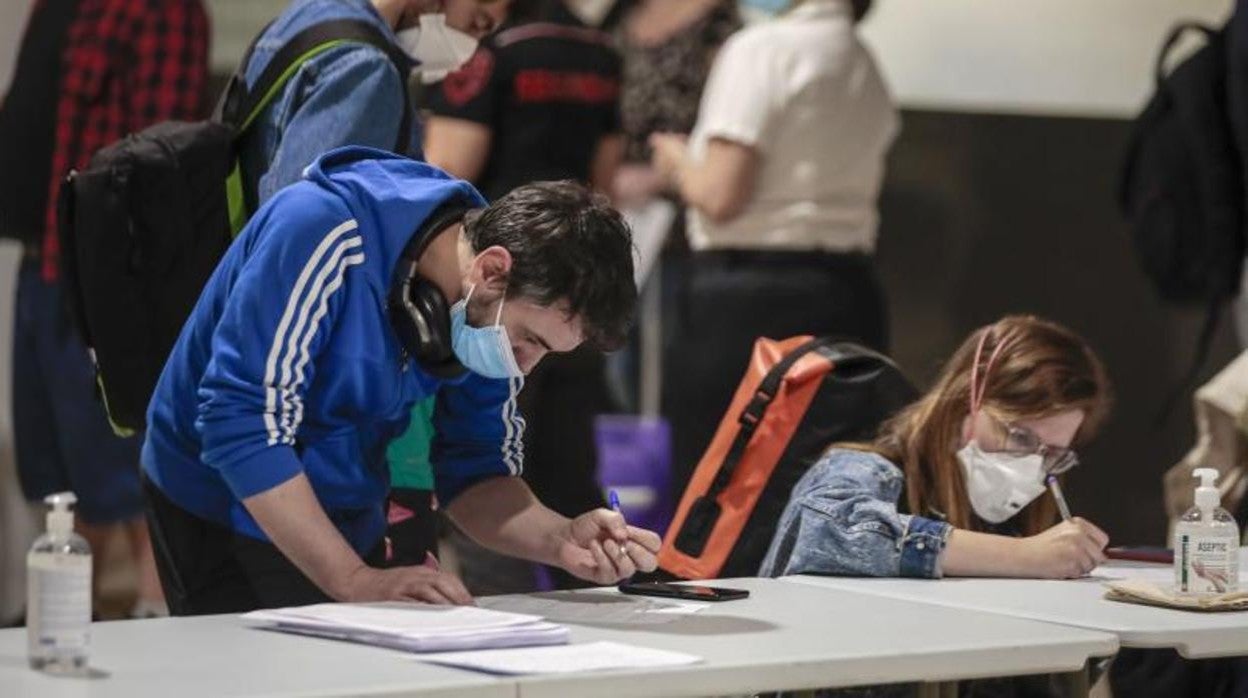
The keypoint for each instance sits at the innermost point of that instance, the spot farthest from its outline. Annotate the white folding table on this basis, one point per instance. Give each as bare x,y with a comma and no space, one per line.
784,637
793,637
220,656
1076,603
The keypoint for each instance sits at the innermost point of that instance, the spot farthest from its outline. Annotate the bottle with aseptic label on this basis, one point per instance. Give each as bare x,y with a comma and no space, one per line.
58,593
1206,543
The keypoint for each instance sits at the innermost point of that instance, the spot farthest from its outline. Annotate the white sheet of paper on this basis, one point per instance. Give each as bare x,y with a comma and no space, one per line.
401,618
1120,569
678,607
413,627
605,607
530,635
1158,573
563,659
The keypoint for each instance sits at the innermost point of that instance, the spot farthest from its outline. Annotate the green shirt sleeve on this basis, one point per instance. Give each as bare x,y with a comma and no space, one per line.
409,454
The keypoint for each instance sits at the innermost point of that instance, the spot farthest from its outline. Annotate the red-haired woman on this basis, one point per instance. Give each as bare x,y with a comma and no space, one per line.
954,484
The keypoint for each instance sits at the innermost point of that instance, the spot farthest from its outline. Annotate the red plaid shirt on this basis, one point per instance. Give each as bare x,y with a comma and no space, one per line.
126,65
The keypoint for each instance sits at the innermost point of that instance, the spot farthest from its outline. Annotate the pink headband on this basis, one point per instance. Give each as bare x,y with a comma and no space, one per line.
978,389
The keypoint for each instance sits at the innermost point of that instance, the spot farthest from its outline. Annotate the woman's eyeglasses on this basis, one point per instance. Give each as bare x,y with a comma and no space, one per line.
1023,441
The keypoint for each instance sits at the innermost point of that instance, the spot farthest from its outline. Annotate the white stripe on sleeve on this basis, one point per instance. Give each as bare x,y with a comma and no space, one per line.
270,367
304,356
302,330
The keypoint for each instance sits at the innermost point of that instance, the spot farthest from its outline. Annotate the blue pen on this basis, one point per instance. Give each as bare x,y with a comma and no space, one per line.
614,500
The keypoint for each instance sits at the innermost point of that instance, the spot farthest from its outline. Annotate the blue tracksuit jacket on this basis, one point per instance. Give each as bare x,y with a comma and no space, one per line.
289,364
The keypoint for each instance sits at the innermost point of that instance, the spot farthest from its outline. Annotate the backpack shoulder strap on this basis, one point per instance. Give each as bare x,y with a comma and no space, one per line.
241,105
753,414
1176,32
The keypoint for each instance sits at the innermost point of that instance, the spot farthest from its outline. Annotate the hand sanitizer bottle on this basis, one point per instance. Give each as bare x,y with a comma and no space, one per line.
58,588
1206,543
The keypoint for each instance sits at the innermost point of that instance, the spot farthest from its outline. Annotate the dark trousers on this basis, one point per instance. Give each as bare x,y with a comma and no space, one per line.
206,568
413,533
725,300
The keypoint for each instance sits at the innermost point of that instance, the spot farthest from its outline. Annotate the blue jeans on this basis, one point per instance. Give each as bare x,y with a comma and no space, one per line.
63,439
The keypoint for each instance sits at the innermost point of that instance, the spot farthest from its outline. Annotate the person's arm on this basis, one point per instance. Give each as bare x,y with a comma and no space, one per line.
355,97
292,518
168,69
478,457
1069,549
462,114
503,514
636,183
720,185
842,519
296,523
608,155
743,95
459,146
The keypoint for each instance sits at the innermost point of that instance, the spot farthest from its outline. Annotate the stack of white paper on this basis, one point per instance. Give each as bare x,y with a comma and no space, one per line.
595,656
414,627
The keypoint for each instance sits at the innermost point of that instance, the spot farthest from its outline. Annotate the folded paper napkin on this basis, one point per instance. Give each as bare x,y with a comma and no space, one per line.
1153,594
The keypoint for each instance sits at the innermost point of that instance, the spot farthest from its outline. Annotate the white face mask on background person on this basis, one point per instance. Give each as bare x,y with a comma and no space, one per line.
999,485
439,47
591,12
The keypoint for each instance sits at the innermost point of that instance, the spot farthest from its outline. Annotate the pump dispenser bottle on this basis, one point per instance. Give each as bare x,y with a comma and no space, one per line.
58,588
1206,543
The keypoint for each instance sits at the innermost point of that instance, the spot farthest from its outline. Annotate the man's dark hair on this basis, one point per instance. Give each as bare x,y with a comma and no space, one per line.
567,245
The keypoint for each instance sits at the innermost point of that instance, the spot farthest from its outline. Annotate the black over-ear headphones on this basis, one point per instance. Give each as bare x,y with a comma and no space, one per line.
418,310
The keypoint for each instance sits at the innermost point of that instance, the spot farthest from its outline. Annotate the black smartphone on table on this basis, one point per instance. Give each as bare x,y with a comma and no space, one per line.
690,592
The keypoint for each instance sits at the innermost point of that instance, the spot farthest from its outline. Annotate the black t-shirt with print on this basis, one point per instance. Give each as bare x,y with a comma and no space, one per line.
549,92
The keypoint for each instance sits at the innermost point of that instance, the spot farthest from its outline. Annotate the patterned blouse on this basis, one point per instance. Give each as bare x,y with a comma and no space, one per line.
663,82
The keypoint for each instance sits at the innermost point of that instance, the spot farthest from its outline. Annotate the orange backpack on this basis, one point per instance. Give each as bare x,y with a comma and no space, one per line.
798,396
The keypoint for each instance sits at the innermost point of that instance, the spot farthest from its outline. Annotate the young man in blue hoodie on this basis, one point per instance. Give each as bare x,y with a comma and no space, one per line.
265,450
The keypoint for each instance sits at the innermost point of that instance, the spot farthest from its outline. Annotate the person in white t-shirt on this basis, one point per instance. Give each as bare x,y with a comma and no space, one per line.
781,177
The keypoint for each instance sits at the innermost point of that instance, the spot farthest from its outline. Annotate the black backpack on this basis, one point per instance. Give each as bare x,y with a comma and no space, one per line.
144,225
1182,186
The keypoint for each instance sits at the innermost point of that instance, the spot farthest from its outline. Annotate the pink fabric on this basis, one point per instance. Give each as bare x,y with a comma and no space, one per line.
398,513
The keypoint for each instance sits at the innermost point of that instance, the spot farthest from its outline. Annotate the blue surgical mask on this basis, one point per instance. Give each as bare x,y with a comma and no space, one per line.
486,351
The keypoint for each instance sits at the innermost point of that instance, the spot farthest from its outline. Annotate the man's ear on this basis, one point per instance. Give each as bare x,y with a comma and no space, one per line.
493,268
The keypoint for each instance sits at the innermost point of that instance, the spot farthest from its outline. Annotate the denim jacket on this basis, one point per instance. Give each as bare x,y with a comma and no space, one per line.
348,95
842,519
